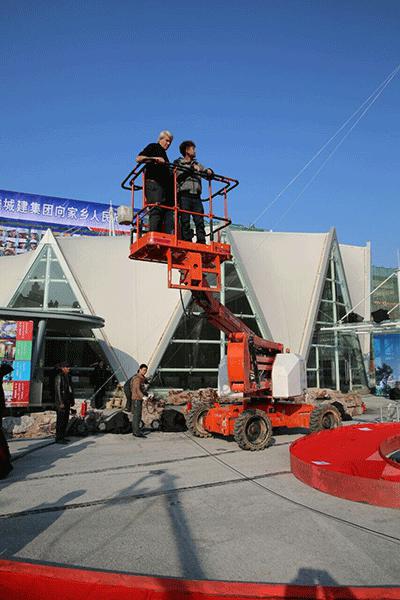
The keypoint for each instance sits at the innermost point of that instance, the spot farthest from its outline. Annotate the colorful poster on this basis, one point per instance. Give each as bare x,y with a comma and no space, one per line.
16,349
16,240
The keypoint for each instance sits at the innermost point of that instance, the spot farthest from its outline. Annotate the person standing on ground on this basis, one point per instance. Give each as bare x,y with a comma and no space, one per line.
189,191
64,399
139,385
5,456
100,376
158,182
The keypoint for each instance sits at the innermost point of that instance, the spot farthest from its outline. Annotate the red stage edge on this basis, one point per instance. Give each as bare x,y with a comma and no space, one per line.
351,462
28,581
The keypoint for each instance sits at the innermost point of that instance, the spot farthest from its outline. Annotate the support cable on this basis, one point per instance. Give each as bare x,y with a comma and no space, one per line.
378,91
340,142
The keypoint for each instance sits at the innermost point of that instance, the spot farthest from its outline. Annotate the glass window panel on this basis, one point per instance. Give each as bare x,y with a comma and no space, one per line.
312,358
196,327
191,355
30,296
81,332
312,378
339,293
56,271
38,270
331,270
341,311
325,313
231,276
325,338
327,372
77,353
184,380
61,296
327,293
237,302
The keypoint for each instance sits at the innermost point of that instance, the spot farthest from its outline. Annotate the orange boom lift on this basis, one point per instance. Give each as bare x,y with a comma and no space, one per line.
268,383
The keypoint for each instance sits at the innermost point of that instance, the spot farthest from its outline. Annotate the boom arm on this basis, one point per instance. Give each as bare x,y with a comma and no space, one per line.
250,357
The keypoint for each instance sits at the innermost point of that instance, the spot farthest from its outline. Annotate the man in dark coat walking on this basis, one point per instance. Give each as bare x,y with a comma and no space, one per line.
5,456
64,399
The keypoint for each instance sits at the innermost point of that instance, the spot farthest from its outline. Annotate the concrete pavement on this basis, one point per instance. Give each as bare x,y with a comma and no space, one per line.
173,505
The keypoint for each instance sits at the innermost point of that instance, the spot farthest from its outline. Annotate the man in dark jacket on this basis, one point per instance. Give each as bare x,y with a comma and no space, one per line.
139,385
158,183
64,399
5,456
189,191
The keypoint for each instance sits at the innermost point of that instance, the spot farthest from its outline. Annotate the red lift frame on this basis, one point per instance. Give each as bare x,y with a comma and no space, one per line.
198,266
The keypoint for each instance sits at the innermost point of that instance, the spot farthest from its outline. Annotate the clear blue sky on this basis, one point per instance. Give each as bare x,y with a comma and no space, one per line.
259,85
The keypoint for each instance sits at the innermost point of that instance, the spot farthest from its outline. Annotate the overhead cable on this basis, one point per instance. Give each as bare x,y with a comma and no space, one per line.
340,142
378,91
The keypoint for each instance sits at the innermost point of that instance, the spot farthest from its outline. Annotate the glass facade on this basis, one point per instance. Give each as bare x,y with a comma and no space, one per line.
46,288
192,357
335,360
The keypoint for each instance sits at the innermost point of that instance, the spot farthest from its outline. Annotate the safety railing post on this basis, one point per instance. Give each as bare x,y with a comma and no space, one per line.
144,203
133,208
175,207
211,210
225,205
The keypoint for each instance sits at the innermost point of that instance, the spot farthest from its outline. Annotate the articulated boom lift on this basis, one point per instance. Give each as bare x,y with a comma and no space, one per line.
267,383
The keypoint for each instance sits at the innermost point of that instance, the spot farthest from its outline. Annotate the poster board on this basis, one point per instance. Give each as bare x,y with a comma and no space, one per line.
16,350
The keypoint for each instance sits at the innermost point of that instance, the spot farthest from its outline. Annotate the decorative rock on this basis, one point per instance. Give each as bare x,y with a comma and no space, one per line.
35,425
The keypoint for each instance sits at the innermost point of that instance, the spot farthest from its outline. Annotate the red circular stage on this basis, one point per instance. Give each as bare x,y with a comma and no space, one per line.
351,462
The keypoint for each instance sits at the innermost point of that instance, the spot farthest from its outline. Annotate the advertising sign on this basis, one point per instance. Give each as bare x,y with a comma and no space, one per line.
387,359
17,240
16,350
20,206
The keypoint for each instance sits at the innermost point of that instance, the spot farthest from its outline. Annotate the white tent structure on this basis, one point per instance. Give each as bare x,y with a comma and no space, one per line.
286,286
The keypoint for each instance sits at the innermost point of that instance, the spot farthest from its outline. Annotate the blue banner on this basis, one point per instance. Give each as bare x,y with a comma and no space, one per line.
20,206
387,352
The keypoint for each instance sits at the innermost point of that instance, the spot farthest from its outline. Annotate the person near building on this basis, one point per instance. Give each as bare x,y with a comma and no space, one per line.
158,182
64,400
189,191
139,385
100,377
5,456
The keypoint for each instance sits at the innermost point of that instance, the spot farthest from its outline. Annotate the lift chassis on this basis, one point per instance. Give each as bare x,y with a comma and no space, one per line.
270,382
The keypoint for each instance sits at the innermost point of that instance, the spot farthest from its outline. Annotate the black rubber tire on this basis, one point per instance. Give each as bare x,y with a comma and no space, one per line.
342,411
253,430
324,417
155,424
194,420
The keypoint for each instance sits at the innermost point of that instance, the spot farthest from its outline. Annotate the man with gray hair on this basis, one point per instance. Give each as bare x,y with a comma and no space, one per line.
158,182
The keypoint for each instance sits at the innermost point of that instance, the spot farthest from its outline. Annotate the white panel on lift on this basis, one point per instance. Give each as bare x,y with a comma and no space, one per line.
288,376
